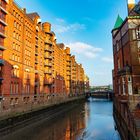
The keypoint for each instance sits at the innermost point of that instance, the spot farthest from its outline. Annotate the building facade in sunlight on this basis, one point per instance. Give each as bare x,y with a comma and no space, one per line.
126,73
32,62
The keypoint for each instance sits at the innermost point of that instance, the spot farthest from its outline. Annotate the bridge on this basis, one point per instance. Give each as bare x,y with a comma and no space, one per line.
107,94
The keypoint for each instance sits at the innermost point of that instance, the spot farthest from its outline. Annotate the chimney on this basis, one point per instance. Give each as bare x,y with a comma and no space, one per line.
131,4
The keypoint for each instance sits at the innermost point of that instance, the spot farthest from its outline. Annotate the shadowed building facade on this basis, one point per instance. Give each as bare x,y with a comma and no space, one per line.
126,73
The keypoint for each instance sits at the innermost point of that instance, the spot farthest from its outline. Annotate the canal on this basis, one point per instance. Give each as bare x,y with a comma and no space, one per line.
91,120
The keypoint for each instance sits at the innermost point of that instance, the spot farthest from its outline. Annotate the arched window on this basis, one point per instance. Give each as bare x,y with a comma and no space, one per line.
15,71
11,88
14,34
15,24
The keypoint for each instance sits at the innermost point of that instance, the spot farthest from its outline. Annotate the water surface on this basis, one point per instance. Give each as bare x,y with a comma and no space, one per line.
91,120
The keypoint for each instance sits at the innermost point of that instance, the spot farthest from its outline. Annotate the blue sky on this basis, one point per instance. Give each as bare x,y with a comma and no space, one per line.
85,26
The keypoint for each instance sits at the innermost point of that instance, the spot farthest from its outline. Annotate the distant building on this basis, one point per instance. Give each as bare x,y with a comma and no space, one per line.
126,73
87,84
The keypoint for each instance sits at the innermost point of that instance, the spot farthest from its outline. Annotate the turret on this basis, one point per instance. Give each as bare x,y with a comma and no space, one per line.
47,27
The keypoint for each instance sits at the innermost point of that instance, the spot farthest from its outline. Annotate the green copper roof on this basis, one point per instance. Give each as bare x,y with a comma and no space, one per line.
118,22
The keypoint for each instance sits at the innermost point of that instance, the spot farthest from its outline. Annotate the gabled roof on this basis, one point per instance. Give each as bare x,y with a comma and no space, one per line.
118,22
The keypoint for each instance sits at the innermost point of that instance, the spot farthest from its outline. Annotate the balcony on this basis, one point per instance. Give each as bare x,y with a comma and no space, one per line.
2,33
48,72
2,20
48,42
2,48
126,70
3,8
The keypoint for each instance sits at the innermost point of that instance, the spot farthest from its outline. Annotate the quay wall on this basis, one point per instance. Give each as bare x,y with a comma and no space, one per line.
21,104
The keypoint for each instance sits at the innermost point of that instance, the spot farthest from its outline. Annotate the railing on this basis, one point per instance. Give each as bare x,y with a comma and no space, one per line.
3,5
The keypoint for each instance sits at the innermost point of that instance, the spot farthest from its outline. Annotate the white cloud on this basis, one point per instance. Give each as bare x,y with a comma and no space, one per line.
84,50
107,59
61,26
60,20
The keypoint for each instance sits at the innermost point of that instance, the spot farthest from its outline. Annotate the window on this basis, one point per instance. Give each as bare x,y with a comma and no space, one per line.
14,34
17,88
17,36
138,32
15,24
16,46
119,66
19,48
15,71
123,80
13,45
13,57
11,88
18,59
130,91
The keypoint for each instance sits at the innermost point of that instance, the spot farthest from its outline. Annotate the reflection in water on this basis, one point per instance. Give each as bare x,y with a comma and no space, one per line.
89,121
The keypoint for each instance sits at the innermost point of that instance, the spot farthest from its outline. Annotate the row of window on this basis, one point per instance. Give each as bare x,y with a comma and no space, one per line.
16,46
27,88
27,62
15,72
18,16
28,34
28,24
27,52
28,43
17,25
15,57
16,36
14,88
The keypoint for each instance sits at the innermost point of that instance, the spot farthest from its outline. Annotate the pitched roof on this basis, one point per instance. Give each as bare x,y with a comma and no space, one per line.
118,22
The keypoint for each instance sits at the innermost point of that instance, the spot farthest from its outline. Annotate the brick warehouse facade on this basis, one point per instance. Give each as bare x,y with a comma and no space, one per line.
32,62
126,73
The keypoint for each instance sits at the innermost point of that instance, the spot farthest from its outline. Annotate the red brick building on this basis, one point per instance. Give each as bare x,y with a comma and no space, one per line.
126,73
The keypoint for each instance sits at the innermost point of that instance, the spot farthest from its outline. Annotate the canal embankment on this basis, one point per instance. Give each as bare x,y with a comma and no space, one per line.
16,119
